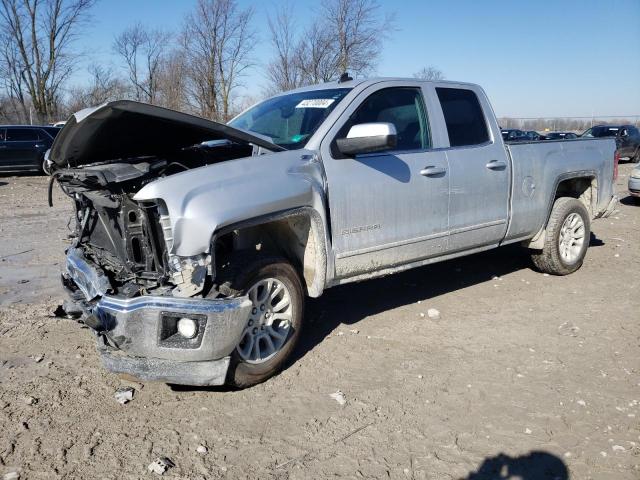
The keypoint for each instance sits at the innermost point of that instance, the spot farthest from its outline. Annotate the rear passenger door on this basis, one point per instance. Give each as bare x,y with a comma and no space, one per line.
23,148
479,170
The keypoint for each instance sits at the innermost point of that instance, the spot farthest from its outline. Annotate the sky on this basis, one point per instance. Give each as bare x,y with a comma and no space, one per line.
534,59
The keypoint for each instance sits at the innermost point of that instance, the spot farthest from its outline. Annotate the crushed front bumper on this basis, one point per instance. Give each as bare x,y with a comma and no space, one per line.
138,336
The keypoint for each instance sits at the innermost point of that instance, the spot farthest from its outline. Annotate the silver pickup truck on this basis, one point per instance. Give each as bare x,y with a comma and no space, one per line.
195,243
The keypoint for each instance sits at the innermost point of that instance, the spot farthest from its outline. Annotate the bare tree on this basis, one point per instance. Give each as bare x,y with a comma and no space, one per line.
346,35
172,81
103,87
218,43
143,51
316,56
38,57
358,32
429,73
283,72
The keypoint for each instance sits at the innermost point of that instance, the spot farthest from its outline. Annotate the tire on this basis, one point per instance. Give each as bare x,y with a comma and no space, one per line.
248,272
557,259
636,157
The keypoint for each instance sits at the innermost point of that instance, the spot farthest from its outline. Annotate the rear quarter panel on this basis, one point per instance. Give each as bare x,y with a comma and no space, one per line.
538,168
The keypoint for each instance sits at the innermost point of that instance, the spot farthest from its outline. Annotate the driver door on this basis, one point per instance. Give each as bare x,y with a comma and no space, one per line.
387,208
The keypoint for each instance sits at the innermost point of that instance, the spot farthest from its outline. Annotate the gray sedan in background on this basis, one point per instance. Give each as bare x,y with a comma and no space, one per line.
634,183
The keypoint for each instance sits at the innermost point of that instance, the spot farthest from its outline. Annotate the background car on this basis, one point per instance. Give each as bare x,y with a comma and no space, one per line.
634,184
533,135
22,147
560,135
627,139
514,135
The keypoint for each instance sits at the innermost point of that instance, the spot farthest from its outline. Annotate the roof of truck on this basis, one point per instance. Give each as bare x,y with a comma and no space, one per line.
369,81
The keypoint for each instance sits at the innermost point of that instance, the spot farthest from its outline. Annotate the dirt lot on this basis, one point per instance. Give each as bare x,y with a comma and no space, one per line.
524,374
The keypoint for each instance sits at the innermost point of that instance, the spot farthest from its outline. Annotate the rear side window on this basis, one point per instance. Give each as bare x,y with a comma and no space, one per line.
463,116
21,135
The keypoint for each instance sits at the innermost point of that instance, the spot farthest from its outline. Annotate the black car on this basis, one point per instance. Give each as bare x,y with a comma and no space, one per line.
514,135
22,147
560,135
627,139
533,135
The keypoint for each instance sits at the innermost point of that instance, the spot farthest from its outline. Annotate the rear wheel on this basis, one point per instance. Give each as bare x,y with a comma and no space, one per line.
567,238
275,321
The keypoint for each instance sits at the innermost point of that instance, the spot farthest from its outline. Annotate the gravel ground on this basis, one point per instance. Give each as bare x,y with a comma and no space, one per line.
522,376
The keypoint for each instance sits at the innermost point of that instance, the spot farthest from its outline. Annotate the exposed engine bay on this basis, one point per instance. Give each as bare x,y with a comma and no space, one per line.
130,240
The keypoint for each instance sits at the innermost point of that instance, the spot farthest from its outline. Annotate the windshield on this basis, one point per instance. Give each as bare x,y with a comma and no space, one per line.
290,119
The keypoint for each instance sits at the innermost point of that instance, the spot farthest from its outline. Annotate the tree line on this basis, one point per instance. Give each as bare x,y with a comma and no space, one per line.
569,124
198,68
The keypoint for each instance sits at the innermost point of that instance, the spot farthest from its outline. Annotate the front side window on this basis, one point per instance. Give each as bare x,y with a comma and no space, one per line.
289,120
403,107
463,116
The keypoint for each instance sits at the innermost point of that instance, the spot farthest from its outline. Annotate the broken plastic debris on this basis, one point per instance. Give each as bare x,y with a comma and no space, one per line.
202,449
160,465
124,395
527,431
433,313
339,397
582,403
618,448
11,476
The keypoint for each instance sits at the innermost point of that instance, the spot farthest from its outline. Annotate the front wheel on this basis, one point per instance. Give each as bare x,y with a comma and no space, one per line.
275,321
567,238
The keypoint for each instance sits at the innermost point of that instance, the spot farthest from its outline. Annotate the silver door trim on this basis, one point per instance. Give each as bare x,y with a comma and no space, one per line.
478,226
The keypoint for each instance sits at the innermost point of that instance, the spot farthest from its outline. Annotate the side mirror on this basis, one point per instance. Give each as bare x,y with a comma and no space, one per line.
368,138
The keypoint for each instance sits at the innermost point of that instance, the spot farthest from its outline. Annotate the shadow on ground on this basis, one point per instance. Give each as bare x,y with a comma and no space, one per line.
351,303
533,466
2,184
630,201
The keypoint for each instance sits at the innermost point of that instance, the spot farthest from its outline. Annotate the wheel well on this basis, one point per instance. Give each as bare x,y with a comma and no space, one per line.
584,189
296,237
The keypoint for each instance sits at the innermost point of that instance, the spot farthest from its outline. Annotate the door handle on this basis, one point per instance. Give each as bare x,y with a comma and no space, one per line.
496,165
432,171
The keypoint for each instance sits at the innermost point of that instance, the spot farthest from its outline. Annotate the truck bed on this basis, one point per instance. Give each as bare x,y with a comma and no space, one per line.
536,164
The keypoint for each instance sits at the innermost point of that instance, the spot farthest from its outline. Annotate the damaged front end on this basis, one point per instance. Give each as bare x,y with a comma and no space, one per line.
154,312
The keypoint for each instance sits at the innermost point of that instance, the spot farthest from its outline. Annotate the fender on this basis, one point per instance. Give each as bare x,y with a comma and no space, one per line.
205,201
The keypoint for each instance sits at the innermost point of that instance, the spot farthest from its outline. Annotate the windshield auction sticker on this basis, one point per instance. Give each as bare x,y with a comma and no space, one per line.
315,103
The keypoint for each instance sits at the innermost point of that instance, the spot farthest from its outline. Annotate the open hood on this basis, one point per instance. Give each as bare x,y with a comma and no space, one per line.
126,129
